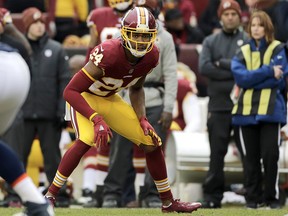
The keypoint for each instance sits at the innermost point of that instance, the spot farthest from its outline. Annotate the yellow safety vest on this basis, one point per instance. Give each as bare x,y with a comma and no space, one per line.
251,101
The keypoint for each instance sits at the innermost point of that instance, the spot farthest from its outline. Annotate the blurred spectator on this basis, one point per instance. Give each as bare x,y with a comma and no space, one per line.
44,108
214,63
260,69
209,20
182,32
11,29
45,6
188,10
17,6
186,7
13,37
70,17
279,18
260,4
277,10
103,29
186,111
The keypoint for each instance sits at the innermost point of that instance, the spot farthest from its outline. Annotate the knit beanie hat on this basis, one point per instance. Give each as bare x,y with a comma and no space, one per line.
31,15
228,4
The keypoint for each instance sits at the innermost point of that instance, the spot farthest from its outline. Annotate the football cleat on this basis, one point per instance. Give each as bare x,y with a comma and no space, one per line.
87,195
181,207
33,209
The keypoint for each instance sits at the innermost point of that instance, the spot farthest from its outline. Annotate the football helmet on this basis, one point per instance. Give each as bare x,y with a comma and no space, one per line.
155,6
120,5
138,31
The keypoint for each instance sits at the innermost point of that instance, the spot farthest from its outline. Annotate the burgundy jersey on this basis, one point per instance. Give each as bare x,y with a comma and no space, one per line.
119,73
106,21
183,89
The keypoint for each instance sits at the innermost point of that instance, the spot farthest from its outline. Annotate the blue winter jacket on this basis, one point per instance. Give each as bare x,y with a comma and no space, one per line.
262,78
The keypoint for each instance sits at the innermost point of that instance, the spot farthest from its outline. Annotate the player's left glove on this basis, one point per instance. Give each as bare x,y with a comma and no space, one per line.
149,130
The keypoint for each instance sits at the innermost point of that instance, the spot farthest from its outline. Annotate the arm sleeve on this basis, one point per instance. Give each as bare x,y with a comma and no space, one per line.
208,68
225,63
72,93
249,78
169,68
268,83
88,54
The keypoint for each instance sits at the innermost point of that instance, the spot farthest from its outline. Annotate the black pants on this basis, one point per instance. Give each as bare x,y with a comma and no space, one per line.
257,142
121,155
219,130
49,136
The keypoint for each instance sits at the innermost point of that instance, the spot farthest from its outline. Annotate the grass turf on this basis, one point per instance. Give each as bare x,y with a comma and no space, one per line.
227,211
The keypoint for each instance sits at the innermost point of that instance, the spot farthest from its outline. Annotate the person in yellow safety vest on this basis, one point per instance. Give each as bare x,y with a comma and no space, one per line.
260,69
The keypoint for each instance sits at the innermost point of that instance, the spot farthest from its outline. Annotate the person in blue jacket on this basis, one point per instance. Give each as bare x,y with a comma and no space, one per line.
260,69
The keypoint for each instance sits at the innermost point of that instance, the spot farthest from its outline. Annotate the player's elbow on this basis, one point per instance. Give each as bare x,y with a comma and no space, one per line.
66,93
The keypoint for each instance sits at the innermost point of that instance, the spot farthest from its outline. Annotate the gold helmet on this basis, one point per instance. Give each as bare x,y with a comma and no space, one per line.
138,22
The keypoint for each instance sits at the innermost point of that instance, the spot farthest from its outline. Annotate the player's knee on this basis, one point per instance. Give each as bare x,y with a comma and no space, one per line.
147,148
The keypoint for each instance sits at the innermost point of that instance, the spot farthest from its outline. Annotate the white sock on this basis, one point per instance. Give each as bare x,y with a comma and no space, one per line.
28,191
140,178
101,175
89,179
42,177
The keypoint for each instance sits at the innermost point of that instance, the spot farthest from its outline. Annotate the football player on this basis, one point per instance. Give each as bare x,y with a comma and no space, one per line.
160,88
95,106
14,89
104,23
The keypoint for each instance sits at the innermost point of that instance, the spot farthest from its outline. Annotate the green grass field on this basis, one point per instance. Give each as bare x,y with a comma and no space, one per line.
227,211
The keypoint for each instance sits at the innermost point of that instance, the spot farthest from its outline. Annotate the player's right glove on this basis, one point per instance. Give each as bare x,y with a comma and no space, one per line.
102,131
149,130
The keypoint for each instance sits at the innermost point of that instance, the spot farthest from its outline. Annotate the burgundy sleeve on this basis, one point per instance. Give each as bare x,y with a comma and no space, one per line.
88,54
72,93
